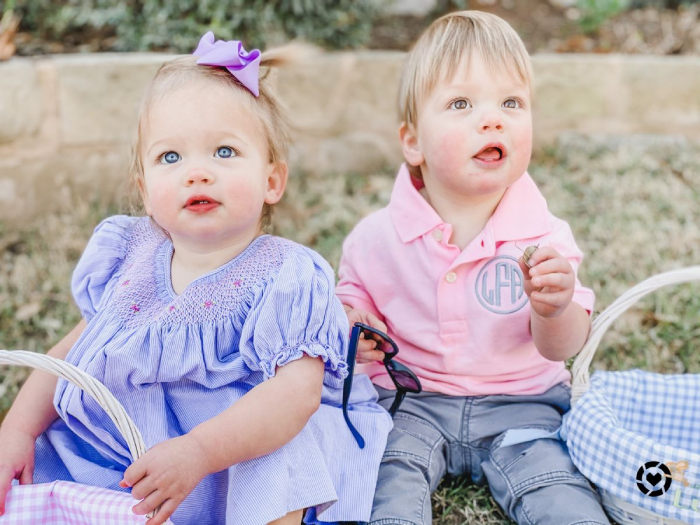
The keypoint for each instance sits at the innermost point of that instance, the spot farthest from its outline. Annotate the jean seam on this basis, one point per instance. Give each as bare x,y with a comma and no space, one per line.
403,415
389,521
466,420
554,475
508,483
426,496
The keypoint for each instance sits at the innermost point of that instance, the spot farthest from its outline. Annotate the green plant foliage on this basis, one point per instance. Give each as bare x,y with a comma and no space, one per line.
177,25
595,12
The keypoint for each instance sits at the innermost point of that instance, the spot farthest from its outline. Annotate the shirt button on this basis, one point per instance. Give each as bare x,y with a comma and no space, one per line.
437,235
451,277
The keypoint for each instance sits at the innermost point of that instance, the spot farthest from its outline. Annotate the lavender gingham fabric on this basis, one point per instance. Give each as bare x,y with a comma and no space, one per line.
630,418
176,360
66,503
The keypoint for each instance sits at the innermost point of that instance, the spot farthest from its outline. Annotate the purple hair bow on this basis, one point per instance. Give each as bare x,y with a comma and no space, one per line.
231,55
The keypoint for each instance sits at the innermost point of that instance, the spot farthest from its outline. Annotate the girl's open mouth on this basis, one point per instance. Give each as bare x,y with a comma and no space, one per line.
201,204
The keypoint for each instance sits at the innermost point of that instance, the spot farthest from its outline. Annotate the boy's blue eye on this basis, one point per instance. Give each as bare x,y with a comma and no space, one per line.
511,103
170,157
225,152
460,103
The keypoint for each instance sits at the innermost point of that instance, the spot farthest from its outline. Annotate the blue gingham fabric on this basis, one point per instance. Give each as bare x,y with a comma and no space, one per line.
628,419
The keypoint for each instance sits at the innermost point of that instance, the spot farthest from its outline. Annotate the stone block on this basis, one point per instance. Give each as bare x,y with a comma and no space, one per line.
99,95
576,92
343,92
20,100
32,186
662,95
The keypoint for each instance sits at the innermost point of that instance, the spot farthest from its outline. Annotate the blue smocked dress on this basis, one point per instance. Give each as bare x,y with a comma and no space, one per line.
174,361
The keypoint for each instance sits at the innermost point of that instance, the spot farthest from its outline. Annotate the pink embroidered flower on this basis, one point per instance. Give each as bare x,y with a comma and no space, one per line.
237,283
171,308
135,308
208,304
126,283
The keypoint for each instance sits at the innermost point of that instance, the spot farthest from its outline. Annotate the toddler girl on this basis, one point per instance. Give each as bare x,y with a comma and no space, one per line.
224,344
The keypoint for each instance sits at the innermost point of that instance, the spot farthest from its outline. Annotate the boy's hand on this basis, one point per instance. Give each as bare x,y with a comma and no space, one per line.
549,283
366,348
165,475
16,461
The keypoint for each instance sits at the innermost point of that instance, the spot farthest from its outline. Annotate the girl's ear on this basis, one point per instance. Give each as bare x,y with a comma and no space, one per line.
144,196
276,182
409,144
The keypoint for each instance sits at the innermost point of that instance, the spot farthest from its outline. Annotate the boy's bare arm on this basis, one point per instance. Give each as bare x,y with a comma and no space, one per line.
561,337
559,326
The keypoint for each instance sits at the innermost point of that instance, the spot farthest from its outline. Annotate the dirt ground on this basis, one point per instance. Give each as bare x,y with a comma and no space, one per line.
544,27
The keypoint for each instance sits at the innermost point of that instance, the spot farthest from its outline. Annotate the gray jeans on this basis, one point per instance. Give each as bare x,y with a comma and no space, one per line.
535,483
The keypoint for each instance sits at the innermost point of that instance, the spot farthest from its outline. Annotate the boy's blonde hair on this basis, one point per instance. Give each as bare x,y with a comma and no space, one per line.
438,52
273,119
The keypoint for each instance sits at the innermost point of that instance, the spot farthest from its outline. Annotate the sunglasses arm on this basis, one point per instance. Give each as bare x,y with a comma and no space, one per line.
400,394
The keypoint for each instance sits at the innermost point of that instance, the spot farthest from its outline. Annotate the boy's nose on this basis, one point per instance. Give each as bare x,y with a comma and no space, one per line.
491,122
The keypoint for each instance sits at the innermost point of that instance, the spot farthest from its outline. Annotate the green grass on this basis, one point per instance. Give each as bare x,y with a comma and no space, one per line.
633,206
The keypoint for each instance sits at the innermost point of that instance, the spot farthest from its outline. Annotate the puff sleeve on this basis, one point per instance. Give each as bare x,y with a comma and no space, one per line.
297,313
100,262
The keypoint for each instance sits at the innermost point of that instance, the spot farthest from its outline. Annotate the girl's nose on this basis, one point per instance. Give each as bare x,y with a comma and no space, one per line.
198,176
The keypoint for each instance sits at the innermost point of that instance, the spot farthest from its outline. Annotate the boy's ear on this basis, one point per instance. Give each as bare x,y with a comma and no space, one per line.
409,144
276,182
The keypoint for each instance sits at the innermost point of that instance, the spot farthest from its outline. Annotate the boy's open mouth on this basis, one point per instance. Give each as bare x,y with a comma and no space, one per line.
492,152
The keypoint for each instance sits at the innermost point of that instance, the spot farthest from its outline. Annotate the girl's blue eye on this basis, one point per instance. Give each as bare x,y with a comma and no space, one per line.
511,103
225,152
170,157
460,104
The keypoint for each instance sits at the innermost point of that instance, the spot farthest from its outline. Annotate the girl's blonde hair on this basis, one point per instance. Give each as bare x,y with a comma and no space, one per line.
440,49
273,119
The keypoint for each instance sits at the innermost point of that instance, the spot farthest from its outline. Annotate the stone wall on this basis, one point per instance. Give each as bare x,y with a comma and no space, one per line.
67,122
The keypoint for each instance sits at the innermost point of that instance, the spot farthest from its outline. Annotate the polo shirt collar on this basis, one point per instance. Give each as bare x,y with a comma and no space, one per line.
521,214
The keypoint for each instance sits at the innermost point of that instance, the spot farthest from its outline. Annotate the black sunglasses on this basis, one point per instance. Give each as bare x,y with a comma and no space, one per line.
403,378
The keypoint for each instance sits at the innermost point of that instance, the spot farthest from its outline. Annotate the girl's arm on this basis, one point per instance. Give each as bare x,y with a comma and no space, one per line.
266,418
33,411
30,415
263,420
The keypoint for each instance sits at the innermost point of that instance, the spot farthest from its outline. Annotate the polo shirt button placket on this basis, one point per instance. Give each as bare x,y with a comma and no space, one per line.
437,235
451,277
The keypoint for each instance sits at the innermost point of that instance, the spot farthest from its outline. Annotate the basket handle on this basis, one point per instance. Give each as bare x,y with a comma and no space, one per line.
85,382
579,370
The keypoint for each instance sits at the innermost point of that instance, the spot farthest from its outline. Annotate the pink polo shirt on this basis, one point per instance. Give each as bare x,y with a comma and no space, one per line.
460,318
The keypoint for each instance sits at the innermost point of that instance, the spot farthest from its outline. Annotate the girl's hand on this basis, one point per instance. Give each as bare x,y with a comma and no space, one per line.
366,348
16,460
549,283
165,475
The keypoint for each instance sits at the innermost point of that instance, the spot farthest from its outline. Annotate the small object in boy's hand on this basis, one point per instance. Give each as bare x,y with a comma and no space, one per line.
528,253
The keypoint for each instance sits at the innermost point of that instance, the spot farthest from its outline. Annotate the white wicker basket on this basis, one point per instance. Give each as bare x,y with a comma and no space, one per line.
620,509
90,385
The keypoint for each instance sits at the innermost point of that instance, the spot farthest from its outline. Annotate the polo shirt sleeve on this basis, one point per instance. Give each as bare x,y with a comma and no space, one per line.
352,288
562,240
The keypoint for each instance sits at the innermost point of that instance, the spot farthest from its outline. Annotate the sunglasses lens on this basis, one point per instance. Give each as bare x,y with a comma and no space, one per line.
385,347
382,344
403,378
